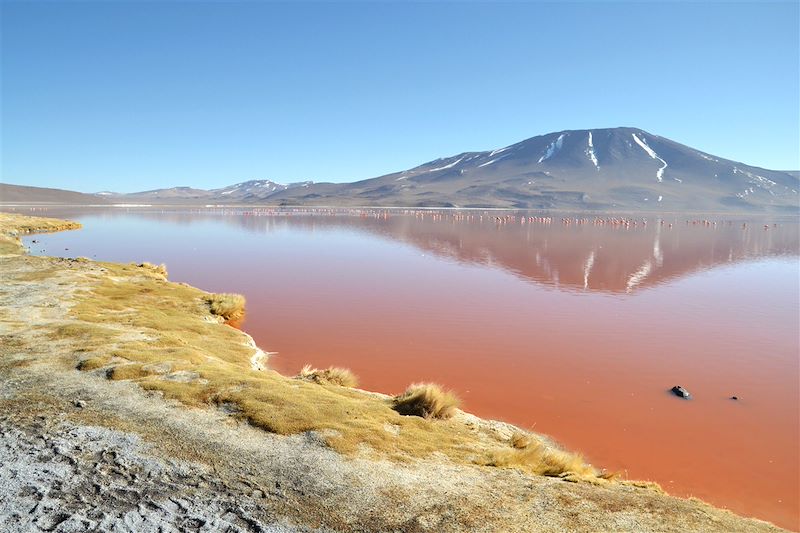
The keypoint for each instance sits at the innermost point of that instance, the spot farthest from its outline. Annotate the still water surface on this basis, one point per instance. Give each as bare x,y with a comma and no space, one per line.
574,330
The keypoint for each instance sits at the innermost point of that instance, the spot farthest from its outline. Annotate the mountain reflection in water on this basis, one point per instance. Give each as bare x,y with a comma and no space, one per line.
583,254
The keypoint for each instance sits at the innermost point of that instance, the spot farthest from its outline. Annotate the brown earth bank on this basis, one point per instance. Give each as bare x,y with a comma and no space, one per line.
128,405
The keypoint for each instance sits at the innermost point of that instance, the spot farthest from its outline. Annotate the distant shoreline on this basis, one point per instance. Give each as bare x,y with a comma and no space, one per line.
743,214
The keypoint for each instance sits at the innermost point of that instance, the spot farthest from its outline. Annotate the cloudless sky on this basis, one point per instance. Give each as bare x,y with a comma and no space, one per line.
130,96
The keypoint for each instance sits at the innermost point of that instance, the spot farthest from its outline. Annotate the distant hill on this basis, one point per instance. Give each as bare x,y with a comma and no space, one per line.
40,195
621,169
253,191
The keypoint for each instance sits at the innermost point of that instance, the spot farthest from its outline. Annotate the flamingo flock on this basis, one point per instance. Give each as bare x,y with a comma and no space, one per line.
616,222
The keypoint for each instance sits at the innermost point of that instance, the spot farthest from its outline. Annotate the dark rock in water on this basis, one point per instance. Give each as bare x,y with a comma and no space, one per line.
677,390
734,397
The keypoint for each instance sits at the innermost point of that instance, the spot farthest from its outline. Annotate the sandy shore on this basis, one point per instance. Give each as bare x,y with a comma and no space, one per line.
80,451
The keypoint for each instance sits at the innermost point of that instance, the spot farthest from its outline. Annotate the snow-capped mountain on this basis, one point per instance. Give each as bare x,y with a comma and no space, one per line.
255,190
250,189
245,192
616,168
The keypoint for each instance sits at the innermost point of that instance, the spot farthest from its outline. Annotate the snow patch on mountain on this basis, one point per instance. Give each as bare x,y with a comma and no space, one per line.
554,147
755,179
499,151
451,165
492,160
653,154
590,152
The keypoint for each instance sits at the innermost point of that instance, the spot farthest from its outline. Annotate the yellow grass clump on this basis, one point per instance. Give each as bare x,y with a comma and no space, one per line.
228,306
158,269
530,454
520,440
646,485
427,400
93,363
330,376
127,371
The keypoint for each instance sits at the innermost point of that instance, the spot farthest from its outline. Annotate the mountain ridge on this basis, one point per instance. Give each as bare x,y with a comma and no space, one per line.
246,191
598,169
622,169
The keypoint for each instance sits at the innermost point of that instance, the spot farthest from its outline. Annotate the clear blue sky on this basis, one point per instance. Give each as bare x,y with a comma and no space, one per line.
133,96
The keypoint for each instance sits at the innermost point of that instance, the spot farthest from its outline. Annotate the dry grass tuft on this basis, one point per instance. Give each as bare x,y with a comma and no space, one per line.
647,485
520,440
91,337
93,363
228,306
610,475
157,269
555,462
427,400
330,376
530,454
127,371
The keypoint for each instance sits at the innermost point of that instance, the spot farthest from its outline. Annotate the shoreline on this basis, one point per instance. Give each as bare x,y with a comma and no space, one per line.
136,368
613,212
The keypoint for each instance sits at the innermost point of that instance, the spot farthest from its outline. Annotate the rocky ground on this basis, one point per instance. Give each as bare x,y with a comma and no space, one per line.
59,476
